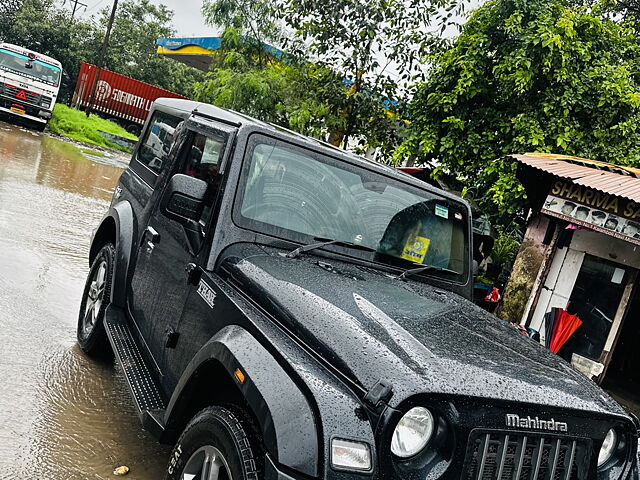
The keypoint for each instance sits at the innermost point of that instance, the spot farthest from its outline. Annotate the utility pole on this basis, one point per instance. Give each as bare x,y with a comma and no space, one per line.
101,56
75,7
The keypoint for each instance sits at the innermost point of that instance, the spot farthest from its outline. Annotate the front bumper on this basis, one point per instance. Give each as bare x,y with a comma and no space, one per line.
32,112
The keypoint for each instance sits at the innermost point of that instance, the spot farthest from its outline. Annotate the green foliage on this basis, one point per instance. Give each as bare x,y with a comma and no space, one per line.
43,26
74,124
351,37
505,249
347,95
256,20
132,50
8,9
523,76
292,96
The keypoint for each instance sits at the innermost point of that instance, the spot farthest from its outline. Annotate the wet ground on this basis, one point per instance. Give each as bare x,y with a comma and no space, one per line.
62,415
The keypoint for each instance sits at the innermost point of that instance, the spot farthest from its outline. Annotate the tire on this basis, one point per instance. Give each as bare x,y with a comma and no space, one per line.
218,435
40,127
92,337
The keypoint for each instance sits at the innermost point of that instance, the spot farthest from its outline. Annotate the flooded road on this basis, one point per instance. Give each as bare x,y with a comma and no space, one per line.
62,415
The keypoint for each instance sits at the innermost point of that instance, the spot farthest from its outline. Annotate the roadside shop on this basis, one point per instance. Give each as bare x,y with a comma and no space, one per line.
575,279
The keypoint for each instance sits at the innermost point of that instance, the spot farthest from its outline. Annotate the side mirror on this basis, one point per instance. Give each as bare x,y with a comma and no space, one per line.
183,201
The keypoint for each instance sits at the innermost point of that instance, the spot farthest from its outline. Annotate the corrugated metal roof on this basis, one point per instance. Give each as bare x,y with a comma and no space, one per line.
605,177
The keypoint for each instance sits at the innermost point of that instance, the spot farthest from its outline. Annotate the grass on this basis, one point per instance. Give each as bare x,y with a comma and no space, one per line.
74,124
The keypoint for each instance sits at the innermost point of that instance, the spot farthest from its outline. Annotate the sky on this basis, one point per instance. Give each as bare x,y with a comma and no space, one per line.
187,18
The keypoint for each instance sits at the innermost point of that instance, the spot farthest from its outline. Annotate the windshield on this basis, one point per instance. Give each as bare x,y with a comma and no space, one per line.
296,194
34,69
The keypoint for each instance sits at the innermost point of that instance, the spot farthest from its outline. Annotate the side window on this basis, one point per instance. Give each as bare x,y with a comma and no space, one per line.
156,144
202,160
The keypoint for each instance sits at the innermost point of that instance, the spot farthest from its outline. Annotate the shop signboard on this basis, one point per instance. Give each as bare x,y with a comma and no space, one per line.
596,210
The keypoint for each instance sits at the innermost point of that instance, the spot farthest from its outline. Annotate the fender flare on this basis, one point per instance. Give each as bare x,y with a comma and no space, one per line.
117,226
285,418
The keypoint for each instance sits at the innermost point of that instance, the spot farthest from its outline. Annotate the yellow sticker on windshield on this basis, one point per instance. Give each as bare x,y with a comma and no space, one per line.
416,249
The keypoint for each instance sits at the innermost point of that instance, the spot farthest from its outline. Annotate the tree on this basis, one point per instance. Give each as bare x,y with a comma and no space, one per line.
41,26
132,46
247,78
524,76
8,9
347,38
361,41
44,27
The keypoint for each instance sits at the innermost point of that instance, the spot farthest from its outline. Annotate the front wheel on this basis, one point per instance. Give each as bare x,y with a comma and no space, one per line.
92,336
214,446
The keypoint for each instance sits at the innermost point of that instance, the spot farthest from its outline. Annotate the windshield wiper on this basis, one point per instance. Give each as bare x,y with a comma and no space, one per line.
425,268
325,242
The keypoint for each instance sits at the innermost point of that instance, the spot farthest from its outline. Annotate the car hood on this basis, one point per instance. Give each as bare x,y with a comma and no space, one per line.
419,338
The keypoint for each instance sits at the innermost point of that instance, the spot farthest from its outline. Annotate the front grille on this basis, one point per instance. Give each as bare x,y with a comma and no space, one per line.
19,94
524,456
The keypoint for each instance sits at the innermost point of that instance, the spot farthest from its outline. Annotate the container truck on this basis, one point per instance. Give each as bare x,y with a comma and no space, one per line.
119,98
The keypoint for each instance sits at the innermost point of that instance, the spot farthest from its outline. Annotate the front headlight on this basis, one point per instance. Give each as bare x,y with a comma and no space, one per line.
608,447
413,432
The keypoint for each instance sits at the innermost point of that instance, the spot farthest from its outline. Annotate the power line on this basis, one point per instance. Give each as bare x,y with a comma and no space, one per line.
75,4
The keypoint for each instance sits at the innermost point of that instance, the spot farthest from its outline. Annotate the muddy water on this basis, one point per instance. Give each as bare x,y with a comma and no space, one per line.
62,415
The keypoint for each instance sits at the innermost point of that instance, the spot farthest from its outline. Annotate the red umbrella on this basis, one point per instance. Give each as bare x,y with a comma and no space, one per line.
564,327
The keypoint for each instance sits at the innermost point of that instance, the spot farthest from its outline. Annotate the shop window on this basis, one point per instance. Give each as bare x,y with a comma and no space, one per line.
595,299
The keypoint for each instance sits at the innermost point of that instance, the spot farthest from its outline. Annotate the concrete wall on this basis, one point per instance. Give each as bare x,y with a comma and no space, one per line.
526,269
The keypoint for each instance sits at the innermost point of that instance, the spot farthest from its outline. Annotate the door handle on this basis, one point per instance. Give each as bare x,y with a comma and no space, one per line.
194,272
152,237
151,234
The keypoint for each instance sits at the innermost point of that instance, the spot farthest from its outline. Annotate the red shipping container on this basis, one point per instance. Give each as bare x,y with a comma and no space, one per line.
116,96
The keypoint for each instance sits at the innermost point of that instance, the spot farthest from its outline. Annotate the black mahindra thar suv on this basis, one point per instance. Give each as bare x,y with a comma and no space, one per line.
283,310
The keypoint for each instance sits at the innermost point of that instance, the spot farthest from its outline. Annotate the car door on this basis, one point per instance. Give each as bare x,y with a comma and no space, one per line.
159,284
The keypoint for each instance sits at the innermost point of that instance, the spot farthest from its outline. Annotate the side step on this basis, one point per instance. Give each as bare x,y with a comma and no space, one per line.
142,385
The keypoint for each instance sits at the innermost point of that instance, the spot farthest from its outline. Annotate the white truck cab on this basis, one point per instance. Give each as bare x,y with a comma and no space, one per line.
29,84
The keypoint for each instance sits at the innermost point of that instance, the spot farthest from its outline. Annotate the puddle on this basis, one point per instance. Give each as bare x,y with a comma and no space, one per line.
62,415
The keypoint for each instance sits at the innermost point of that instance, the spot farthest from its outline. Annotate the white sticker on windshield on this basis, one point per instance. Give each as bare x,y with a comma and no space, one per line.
442,211
618,275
